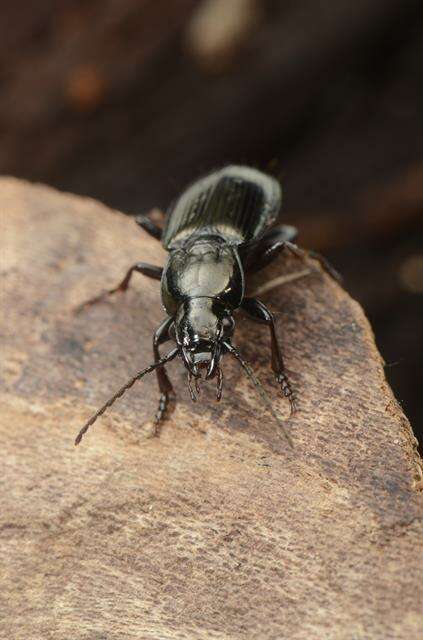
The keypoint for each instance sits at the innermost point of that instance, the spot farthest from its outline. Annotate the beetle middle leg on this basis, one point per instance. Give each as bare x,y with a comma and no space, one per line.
258,311
257,254
149,270
161,335
148,225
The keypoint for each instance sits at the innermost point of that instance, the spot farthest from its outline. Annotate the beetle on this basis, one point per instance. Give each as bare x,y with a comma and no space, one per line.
221,229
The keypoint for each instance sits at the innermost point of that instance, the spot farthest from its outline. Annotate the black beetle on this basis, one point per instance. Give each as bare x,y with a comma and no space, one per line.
219,230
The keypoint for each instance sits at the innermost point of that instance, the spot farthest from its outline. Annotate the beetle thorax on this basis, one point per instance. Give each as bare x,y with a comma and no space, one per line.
205,269
201,325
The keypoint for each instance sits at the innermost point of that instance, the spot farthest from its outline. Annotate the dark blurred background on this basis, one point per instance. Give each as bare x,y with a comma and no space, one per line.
129,100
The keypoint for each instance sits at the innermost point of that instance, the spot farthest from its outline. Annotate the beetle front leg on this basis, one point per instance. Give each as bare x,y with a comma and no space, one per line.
161,335
149,270
257,311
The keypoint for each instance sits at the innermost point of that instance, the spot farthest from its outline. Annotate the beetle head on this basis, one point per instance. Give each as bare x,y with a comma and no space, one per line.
201,325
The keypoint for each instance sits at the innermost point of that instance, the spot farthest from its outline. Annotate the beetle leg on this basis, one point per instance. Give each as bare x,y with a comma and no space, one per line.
149,270
219,386
148,225
302,254
257,311
197,386
161,335
257,254
190,378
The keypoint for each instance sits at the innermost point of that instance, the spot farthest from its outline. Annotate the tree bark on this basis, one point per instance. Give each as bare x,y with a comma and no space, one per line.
214,529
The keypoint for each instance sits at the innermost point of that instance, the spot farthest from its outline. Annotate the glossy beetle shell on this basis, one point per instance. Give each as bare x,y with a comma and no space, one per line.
205,269
236,203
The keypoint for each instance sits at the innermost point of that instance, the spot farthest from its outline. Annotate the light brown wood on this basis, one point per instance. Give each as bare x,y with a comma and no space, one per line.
215,529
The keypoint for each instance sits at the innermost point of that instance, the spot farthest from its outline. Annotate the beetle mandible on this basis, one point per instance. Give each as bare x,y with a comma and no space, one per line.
221,229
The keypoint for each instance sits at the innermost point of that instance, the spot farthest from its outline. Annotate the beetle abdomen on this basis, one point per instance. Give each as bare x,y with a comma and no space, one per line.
236,202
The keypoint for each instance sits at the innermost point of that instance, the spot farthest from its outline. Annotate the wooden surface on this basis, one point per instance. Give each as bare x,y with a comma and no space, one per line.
215,529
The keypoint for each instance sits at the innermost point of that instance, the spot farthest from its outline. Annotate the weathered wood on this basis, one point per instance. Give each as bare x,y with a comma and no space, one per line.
215,529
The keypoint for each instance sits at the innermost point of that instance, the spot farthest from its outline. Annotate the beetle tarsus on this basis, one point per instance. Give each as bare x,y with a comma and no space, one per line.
148,270
101,297
324,263
161,410
197,386
287,391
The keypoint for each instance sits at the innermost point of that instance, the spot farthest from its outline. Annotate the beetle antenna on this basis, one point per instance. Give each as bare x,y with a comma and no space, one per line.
219,384
122,390
260,389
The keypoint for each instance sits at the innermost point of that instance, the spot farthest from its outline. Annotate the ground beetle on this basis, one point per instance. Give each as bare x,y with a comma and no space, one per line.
219,230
